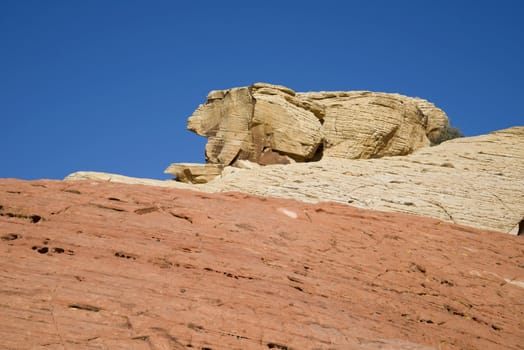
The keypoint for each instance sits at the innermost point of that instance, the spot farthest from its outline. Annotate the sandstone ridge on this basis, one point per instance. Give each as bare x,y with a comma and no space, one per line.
272,124
473,181
98,265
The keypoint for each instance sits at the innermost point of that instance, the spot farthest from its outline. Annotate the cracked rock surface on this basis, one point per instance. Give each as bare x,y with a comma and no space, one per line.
272,124
98,265
473,181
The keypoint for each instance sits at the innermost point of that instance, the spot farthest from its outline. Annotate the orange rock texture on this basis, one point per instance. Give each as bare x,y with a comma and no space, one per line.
95,265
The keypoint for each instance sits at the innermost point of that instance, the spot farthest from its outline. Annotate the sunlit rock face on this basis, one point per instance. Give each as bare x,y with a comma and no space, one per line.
272,124
99,265
474,181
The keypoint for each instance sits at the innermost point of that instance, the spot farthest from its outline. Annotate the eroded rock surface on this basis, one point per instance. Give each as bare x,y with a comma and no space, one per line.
194,172
99,265
272,124
473,181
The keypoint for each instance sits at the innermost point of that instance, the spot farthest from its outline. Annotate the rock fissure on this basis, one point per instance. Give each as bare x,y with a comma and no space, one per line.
441,206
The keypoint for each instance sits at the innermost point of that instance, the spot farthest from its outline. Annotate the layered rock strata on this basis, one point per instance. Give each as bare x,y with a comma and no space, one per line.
97,265
271,124
473,181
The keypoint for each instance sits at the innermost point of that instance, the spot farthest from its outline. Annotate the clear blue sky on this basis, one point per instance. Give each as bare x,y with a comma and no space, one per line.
108,85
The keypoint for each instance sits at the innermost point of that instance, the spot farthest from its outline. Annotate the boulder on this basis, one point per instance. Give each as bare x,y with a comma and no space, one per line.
246,123
272,124
194,172
363,124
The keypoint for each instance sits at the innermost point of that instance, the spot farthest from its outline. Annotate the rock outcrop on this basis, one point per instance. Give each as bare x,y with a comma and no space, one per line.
98,265
473,181
194,172
271,124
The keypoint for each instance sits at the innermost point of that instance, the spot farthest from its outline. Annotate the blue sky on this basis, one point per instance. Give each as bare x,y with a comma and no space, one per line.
108,85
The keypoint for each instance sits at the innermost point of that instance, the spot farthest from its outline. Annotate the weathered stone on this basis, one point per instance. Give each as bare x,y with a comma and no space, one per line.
228,136
117,178
437,120
245,164
263,120
243,123
283,127
370,124
193,172
115,266
473,181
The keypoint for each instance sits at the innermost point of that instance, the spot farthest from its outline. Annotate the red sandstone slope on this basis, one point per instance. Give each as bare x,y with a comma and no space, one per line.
90,265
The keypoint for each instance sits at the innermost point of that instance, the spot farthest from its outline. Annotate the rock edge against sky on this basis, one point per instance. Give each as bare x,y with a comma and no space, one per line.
471,181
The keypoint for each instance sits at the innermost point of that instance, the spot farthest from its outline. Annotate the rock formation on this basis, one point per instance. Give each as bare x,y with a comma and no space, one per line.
193,172
98,265
112,264
271,124
473,181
